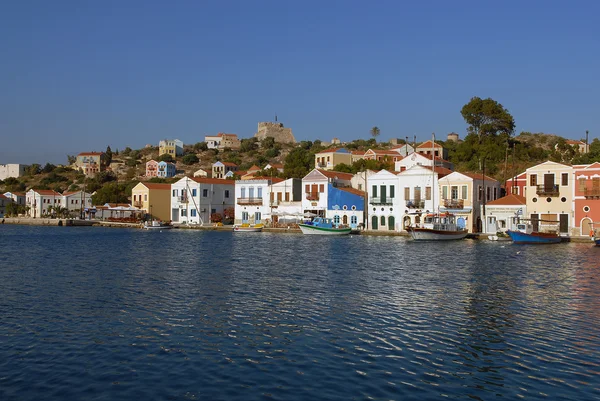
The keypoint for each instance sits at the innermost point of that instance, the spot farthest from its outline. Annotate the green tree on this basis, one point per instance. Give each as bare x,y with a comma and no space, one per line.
111,192
108,155
71,159
33,169
375,131
487,117
267,143
190,158
165,157
48,168
200,146
248,144
298,163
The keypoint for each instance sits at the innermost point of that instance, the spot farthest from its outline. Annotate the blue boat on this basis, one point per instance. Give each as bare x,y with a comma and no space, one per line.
524,234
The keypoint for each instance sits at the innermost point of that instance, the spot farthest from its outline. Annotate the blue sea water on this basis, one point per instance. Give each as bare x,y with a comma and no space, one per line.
119,314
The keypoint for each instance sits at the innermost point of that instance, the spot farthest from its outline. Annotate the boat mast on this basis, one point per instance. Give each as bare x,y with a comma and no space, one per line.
433,186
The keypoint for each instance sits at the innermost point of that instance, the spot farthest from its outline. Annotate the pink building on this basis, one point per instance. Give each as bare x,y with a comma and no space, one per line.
152,168
587,197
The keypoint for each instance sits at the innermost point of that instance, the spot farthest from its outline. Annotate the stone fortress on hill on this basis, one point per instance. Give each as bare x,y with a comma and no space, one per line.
275,130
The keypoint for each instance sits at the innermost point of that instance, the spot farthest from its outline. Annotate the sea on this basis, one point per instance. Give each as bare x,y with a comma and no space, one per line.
90,313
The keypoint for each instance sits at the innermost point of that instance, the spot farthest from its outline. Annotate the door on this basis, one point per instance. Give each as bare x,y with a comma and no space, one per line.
374,221
345,220
383,193
391,223
548,182
586,227
564,223
535,222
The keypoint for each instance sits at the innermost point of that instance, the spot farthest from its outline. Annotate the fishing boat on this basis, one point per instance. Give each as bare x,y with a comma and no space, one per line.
594,233
437,226
524,234
247,228
157,225
323,226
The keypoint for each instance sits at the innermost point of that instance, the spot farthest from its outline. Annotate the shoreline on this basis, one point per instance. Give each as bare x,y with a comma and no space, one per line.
98,223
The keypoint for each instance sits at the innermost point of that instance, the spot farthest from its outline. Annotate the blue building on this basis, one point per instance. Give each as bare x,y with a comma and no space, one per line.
166,170
345,205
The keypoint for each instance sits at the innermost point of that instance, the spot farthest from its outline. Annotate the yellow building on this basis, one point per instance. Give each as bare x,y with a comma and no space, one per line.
329,158
154,199
91,163
173,147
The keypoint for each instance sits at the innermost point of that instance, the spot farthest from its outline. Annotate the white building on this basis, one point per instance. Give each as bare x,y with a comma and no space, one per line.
4,201
77,202
11,170
17,197
384,207
195,200
202,173
252,200
41,202
419,159
503,213
317,185
285,200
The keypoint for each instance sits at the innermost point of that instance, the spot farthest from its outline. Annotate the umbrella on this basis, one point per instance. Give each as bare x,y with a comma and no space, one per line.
309,214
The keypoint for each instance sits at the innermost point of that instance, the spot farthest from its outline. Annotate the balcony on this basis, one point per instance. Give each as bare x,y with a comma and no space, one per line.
547,190
381,201
591,193
454,203
138,204
183,199
415,204
250,201
314,196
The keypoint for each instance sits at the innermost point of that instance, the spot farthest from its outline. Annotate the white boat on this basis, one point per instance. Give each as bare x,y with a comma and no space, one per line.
323,226
437,226
157,225
246,228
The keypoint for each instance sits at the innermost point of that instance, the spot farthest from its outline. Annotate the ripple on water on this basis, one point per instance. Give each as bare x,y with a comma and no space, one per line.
211,315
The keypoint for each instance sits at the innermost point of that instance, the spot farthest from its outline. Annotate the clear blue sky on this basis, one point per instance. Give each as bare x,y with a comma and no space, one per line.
80,75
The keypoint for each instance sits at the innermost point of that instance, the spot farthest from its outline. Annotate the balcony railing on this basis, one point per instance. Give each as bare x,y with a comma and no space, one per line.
138,204
547,190
377,200
183,199
321,165
249,201
591,192
415,203
454,203
314,196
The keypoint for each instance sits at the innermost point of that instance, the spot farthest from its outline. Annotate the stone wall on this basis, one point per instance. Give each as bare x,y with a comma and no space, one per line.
275,130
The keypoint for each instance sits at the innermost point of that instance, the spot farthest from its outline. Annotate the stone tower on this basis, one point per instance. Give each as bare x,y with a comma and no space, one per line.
275,130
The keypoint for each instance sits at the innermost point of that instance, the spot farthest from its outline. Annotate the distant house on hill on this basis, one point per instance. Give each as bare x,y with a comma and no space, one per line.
91,163
329,158
220,169
222,141
173,147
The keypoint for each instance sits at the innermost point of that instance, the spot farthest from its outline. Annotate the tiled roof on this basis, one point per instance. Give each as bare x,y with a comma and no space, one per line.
442,171
478,176
254,168
46,192
428,144
358,152
90,153
510,199
205,180
353,191
153,185
3,197
572,142
334,174
276,165
383,152
229,164
18,193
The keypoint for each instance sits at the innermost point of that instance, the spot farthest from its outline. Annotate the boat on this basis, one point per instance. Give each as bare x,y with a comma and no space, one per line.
524,234
323,226
437,226
594,233
157,225
247,228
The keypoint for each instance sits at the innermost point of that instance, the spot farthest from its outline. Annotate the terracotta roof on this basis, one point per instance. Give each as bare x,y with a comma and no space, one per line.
353,191
572,142
442,171
401,146
46,192
358,152
17,193
274,180
153,185
254,168
428,144
90,153
3,197
383,152
229,164
206,180
70,193
510,199
477,176
330,150
276,165
334,174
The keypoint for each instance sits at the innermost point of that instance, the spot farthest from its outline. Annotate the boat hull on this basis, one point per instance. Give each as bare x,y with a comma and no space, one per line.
315,230
597,241
157,227
428,234
534,238
247,229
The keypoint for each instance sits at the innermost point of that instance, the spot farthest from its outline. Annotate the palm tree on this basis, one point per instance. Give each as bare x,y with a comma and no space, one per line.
375,132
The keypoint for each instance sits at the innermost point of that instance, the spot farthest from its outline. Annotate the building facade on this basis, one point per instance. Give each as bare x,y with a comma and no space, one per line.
153,199
11,170
197,200
329,158
173,147
166,169
91,163
151,168
220,169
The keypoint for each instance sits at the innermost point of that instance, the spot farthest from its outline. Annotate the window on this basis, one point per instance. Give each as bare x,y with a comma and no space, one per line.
243,192
321,188
488,194
374,195
213,211
183,212
259,192
307,188
444,192
533,180
360,187
382,221
581,184
145,197
495,193
227,193
353,220
454,192
479,193
406,193
205,193
564,179
193,213
251,192
392,191
336,220
464,192
428,193
257,217
287,196
194,192
174,193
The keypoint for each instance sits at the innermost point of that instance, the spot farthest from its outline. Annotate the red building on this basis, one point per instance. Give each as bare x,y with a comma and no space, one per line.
587,197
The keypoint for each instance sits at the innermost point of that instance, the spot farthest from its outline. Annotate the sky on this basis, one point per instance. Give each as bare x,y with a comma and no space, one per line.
79,76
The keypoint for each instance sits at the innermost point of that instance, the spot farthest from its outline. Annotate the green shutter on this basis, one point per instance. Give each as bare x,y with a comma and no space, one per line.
392,192
374,191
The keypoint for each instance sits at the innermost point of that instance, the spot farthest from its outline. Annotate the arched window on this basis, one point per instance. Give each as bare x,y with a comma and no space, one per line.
391,223
345,220
382,221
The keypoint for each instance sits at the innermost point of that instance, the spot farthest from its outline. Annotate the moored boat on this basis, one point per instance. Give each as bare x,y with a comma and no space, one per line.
247,228
524,234
323,226
157,225
438,227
